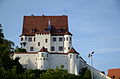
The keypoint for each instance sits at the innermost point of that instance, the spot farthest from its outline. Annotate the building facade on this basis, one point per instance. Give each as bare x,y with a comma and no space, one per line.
49,45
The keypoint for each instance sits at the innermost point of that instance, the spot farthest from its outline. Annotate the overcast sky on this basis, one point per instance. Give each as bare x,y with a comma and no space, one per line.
95,25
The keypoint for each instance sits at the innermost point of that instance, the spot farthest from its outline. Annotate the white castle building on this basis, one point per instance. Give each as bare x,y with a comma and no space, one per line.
49,45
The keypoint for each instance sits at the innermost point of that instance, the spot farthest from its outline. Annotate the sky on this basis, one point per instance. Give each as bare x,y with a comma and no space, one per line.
95,25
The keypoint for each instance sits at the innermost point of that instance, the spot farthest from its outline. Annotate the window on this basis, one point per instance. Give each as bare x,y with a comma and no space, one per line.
54,39
31,48
68,48
45,40
43,58
60,39
66,38
38,43
34,39
22,39
60,48
25,38
52,48
76,56
70,56
30,39
70,39
42,54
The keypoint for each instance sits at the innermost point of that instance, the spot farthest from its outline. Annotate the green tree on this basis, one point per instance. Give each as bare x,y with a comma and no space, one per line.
85,73
17,49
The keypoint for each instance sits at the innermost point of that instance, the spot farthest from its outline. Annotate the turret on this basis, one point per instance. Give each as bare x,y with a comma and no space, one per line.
23,40
67,41
74,61
42,59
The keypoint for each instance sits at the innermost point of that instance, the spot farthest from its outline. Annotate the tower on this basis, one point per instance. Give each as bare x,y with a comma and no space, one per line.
42,59
67,41
73,61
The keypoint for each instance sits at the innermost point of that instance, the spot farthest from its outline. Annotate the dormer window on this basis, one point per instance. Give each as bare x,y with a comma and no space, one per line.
33,30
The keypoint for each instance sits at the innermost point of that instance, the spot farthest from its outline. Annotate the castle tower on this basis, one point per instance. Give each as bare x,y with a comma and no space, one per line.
74,61
67,41
42,59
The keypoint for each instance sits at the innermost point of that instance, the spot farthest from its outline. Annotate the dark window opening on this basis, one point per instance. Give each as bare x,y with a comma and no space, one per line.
22,39
76,56
54,39
46,40
31,48
42,54
60,39
34,39
66,38
38,43
30,39
70,56
25,38
60,48
52,48
68,48
70,39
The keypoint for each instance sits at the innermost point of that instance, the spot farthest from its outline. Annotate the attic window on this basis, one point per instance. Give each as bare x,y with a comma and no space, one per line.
33,30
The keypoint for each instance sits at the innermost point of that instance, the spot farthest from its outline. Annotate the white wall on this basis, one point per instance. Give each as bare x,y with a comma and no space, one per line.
29,61
67,43
41,38
58,60
57,44
28,44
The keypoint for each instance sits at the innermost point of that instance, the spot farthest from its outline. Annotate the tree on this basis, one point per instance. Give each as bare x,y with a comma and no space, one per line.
85,73
1,34
20,49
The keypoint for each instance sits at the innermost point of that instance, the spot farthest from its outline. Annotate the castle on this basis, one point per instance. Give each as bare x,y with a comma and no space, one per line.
49,45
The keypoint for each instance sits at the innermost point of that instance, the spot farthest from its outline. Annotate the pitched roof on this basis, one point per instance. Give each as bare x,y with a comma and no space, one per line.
114,73
43,49
68,33
38,24
73,51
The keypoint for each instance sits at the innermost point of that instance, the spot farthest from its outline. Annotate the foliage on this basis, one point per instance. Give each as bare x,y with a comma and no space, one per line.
20,49
85,73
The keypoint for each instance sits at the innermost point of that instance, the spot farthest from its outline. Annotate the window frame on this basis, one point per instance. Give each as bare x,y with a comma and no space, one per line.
46,40
31,48
54,39
38,43
30,39
52,47
60,48
60,39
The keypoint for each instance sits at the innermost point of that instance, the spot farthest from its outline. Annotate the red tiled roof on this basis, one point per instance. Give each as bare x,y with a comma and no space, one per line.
43,49
73,51
68,33
40,23
26,53
114,73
